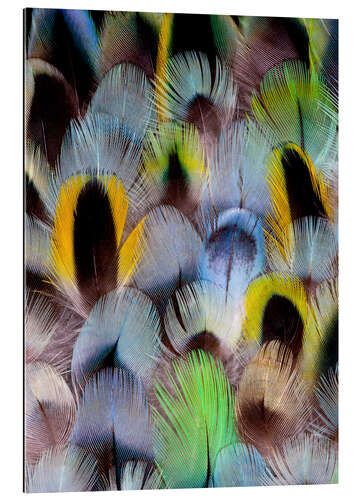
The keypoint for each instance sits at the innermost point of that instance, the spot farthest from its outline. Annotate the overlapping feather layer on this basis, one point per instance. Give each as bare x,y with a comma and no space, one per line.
181,251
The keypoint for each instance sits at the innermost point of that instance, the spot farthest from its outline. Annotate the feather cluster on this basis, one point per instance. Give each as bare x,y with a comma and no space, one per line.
181,251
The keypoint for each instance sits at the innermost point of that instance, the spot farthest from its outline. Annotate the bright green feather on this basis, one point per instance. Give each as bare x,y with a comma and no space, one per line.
295,106
194,420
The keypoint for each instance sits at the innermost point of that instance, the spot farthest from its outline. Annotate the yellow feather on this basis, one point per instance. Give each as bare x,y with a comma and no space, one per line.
62,268
279,217
62,273
260,291
162,58
190,151
318,38
322,309
118,204
182,140
130,253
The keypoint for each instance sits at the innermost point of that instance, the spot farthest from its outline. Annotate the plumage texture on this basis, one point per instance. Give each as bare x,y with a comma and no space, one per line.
64,470
124,326
305,459
268,390
101,264
327,409
199,309
113,421
290,103
193,420
175,166
40,325
311,251
49,410
170,249
181,250
237,171
321,354
188,78
234,252
239,465
140,476
125,93
297,191
99,144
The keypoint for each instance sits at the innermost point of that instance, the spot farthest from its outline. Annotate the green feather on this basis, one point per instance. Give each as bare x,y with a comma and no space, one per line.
295,105
194,420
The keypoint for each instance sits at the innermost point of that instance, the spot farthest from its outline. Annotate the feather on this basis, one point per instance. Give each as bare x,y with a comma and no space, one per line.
42,23
297,191
58,352
227,39
140,476
233,253
334,479
37,173
310,251
163,52
181,250
304,459
37,245
126,94
123,326
49,410
84,33
262,44
292,105
239,465
79,23
87,255
193,420
237,171
327,410
208,34
78,63
174,166
321,353
189,32
190,93
169,247
40,324
273,41
113,421
98,145
323,46
47,118
273,402
61,470
276,309
130,37
198,315
29,92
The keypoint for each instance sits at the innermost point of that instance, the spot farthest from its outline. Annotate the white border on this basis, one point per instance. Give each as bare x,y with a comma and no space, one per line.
11,236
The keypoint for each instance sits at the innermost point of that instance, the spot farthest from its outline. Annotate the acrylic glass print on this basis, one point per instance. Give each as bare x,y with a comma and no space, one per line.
181,255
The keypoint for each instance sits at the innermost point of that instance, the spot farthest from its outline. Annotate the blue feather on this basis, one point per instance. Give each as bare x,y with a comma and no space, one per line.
234,252
113,421
124,324
239,465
